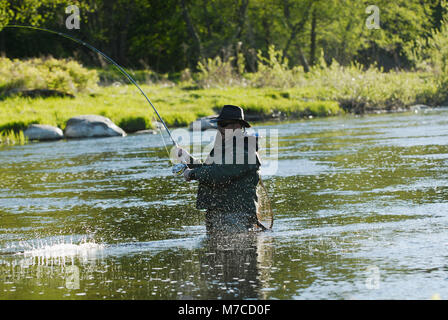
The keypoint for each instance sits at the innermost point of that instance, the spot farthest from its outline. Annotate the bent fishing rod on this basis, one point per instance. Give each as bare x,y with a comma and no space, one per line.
108,59
177,169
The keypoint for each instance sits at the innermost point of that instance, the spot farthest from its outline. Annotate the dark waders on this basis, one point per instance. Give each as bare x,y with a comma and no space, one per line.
224,222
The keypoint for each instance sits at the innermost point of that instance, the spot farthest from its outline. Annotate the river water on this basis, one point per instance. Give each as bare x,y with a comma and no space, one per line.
360,204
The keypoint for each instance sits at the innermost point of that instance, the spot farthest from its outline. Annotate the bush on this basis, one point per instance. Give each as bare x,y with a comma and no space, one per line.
355,88
371,88
430,55
217,73
179,119
274,71
133,124
63,75
111,75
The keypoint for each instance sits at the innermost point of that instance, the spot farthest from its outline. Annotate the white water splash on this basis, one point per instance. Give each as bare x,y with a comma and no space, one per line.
65,250
60,253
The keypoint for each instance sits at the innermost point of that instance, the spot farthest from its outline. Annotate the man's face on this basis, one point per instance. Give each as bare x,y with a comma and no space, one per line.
228,125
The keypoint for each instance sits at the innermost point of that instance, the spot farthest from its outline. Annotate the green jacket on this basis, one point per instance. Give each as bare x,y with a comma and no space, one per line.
228,188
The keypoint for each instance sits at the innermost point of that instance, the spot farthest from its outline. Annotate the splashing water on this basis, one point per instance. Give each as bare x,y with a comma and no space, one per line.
48,251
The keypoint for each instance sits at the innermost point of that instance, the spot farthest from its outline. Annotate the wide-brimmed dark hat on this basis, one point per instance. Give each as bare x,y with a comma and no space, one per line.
232,113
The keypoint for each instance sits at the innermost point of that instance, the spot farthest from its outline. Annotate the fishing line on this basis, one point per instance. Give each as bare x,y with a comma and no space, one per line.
116,65
108,59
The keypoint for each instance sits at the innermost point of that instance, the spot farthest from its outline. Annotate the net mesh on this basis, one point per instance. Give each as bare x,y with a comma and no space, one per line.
264,211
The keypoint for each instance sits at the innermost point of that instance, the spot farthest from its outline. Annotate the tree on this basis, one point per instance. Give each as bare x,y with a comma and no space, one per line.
402,21
295,23
171,35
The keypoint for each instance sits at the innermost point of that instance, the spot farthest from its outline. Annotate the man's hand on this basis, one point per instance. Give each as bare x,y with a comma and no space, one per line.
183,155
187,174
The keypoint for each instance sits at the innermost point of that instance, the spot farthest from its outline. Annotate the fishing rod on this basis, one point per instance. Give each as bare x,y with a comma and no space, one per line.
108,59
178,168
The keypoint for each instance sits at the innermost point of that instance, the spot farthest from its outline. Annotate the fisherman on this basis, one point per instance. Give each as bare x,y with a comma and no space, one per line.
229,177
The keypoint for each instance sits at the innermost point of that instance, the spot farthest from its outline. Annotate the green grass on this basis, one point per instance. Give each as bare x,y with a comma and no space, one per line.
128,109
9,137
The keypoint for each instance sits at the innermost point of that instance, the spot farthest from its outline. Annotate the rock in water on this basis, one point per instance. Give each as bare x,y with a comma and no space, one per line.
89,126
43,132
203,124
418,107
148,131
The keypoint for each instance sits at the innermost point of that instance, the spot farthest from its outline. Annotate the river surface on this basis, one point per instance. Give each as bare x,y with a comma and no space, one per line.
360,203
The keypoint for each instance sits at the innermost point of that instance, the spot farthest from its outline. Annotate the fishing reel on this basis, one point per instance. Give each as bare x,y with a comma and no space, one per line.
179,168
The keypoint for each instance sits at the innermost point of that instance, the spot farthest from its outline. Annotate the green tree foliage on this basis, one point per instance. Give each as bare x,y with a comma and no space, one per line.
37,12
172,35
430,54
5,13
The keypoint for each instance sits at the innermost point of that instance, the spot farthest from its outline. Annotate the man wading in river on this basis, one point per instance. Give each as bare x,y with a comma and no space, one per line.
229,177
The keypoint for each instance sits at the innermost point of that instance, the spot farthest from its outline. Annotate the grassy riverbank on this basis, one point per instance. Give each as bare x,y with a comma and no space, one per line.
128,109
275,91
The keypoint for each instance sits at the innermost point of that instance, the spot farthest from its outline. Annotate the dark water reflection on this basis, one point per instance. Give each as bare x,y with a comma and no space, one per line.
361,212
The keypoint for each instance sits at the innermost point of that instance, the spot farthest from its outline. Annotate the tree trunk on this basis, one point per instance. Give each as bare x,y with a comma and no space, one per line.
241,14
208,21
197,47
2,43
295,29
302,58
313,38
267,31
397,64
122,53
